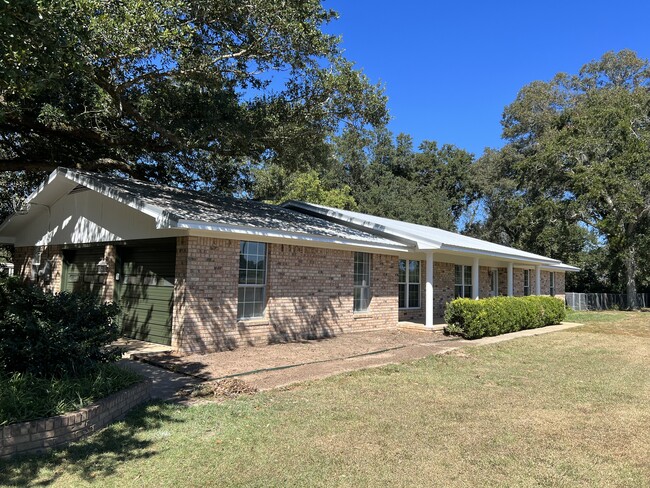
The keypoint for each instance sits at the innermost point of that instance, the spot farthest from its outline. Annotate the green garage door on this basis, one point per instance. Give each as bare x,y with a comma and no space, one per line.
80,270
145,291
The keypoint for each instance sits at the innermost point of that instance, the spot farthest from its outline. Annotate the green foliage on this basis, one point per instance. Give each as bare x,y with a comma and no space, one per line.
499,315
577,162
387,177
25,396
176,91
278,186
53,335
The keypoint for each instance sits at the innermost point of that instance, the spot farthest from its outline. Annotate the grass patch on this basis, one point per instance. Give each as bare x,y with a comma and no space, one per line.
562,409
634,324
24,396
605,316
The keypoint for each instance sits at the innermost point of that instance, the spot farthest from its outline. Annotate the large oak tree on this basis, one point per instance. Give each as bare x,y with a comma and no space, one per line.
178,91
578,152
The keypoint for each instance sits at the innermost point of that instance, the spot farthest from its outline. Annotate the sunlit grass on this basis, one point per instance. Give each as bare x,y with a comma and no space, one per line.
562,409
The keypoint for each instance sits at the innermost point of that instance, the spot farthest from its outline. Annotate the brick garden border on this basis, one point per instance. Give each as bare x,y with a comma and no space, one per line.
37,436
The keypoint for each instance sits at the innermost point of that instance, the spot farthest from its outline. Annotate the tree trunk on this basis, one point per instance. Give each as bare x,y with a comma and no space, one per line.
630,272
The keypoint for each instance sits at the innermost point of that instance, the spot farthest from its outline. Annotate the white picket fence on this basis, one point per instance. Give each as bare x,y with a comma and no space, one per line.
603,301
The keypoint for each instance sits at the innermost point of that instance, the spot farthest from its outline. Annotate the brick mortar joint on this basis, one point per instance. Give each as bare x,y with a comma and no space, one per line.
43,434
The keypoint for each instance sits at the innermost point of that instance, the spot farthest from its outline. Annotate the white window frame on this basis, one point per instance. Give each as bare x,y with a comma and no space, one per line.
526,282
407,284
551,286
367,287
241,286
463,282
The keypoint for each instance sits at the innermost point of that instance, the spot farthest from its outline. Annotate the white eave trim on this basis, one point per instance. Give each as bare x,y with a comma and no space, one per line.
275,233
501,255
561,268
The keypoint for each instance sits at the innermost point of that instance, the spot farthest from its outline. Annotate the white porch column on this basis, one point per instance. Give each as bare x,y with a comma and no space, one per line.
475,284
538,280
510,280
429,291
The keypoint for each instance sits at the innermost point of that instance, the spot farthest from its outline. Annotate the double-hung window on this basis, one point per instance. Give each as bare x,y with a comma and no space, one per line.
252,280
463,282
526,282
362,297
409,283
552,284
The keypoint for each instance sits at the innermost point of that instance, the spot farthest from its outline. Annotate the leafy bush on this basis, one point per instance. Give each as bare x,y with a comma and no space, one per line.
48,335
24,396
500,315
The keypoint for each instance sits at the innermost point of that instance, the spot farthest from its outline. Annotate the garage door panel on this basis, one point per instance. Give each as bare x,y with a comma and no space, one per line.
146,292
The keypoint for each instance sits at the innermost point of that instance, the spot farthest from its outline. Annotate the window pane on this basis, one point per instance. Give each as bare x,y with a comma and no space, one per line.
361,268
414,296
402,295
252,271
458,291
459,275
361,281
468,291
414,271
468,275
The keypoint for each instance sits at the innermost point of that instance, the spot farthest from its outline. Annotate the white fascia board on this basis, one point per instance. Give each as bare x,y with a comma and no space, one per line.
561,267
274,233
503,256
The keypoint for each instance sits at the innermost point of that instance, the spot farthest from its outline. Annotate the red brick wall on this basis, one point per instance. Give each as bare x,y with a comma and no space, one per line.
205,295
309,295
23,257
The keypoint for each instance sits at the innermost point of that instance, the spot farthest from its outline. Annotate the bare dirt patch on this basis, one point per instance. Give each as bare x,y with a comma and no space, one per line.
219,389
248,360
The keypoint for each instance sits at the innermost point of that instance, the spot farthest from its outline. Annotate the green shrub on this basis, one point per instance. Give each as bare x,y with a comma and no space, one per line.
499,315
48,335
24,396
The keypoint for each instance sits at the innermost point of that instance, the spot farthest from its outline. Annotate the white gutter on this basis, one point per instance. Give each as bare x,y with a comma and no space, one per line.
500,255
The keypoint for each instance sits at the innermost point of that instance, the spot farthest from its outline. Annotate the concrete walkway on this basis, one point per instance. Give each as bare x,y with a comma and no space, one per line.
165,383
275,378
275,375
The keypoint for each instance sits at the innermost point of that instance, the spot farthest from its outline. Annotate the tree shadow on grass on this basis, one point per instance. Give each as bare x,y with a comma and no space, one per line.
93,458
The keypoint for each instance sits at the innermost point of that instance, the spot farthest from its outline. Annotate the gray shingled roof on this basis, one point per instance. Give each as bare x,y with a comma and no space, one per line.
203,207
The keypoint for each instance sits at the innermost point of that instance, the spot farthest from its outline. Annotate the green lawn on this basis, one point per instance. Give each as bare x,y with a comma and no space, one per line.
562,409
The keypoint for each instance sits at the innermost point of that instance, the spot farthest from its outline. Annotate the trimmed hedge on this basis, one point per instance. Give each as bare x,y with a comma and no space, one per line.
499,315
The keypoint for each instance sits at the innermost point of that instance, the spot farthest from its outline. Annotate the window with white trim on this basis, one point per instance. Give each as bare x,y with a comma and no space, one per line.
526,282
362,296
463,281
494,282
409,283
552,284
252,280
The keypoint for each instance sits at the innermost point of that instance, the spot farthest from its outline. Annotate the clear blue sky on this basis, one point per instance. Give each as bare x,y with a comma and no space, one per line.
449,68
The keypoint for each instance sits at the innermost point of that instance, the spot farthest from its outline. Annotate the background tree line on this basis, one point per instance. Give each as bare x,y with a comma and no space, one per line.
254,99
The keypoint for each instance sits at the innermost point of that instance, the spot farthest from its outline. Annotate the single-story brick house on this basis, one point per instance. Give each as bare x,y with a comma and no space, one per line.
205,273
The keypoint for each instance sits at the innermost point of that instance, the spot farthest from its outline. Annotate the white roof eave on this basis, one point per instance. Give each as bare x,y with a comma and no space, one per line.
523,258
275,233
